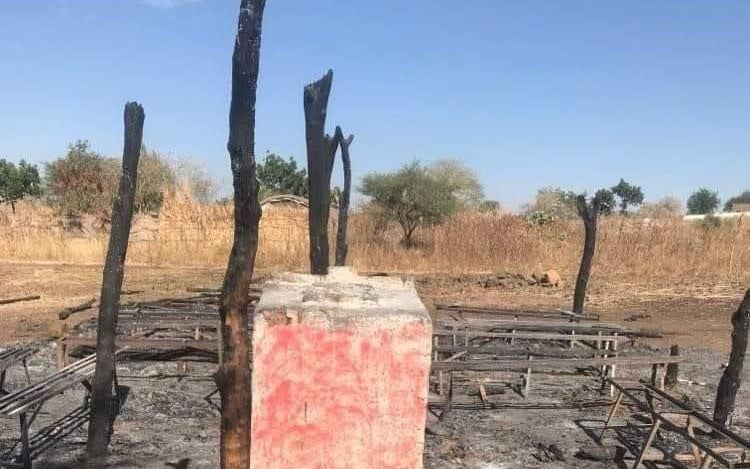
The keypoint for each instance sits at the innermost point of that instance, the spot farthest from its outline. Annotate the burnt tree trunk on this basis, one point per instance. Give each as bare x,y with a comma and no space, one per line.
589,213
233,378
341,245
321,150
103,404
731,379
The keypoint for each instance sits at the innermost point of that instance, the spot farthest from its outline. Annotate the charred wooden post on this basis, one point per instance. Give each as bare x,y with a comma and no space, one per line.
321,151
103,405
341,245
673,369
731,379
589,213
233,375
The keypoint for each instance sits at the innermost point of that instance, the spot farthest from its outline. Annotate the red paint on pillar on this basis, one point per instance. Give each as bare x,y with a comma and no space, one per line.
342,399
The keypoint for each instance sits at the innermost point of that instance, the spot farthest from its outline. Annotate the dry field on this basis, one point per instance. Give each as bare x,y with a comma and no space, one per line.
187,233
686,276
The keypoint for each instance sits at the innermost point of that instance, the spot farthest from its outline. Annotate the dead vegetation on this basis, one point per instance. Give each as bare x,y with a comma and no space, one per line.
627,247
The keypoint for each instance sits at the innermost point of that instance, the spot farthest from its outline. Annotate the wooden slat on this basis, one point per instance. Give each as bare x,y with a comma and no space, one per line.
515,350
503,365
515,313
147,344
541,326
22,399
16,355
528,335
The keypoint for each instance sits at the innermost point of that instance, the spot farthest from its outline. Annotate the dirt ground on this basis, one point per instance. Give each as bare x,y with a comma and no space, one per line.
686,313
167,421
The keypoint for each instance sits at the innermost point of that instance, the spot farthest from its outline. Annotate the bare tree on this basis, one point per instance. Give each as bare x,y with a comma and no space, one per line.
731,379
321,151
589,213
341,245
103,403
233,375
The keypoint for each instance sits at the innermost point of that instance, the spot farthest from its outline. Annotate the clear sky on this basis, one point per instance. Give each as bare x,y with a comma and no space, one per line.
527,92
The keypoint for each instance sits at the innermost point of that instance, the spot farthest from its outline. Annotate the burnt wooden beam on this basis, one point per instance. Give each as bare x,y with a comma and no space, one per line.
342,247
233,376
554,363
321,151
67,312
673,369
589,213
731,379
103,406
8,301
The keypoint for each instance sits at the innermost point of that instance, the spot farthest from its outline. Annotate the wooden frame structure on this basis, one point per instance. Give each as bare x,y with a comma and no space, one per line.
683,422
26,403
168,329
13,356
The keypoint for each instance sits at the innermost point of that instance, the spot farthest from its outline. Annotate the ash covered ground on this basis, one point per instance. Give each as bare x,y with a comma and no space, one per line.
166,420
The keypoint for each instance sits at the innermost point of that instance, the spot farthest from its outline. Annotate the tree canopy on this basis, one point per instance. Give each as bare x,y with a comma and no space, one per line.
462,180
83,181
551,203
703,201
627,194
411,196
278,175
17,182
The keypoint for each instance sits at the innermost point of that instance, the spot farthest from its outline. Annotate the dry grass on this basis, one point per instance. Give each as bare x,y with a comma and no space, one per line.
188,233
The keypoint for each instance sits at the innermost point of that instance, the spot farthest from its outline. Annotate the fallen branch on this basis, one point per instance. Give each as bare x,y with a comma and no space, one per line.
67,312
17,300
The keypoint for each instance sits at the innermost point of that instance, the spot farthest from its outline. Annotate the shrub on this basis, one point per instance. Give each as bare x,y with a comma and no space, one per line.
17,182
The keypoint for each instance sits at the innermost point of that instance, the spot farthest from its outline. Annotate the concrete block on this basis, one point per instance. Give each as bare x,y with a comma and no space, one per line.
340,373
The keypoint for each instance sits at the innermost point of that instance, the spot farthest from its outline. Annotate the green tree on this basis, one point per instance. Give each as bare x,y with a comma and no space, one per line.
605,200
743,198
82,180
411,197
703,201
281,176
628,195
462,180
17,182
551,203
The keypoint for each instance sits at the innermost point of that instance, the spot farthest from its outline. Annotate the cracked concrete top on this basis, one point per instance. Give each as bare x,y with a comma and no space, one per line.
341,296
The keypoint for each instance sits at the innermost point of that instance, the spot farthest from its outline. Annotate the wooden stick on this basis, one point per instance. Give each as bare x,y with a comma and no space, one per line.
67,312
647,444
18,300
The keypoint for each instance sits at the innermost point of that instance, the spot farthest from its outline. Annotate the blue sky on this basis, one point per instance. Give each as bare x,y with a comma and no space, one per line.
529,93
